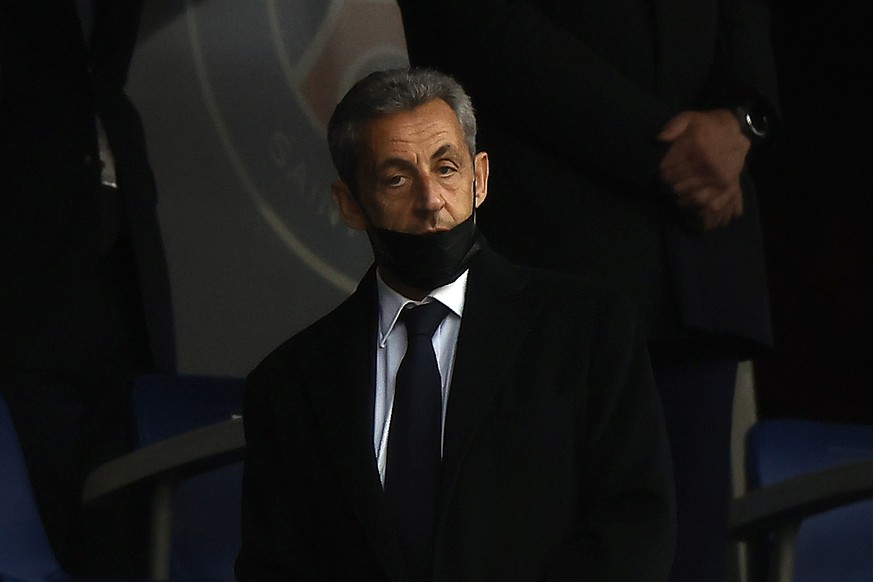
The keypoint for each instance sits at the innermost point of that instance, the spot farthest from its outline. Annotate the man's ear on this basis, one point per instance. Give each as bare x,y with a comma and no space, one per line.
481,177
348,206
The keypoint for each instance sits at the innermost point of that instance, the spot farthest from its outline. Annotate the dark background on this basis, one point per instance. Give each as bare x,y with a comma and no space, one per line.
818,217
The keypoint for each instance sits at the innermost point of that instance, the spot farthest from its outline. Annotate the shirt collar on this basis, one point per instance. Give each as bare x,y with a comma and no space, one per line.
391,303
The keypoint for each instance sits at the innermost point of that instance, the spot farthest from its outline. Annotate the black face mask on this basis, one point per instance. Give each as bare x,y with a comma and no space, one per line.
430,260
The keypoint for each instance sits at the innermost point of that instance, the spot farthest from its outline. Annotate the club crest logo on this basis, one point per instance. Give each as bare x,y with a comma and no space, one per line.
271,72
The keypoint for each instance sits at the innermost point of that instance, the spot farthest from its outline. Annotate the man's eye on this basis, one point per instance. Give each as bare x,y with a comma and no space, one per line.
447,170
394,181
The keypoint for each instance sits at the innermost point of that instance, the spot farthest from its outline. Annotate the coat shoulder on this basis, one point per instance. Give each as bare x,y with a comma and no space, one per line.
354,315
579,295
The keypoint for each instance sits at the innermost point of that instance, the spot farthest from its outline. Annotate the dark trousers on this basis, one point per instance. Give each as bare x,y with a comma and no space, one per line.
697,396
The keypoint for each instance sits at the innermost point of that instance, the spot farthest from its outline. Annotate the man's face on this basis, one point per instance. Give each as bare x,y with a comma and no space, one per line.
415,174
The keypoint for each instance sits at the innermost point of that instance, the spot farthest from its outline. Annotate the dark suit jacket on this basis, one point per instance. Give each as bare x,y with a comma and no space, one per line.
570,96
555,463
53,302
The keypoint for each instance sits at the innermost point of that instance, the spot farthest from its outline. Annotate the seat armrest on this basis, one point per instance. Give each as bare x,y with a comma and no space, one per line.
780,509
161,467
173,459
764,509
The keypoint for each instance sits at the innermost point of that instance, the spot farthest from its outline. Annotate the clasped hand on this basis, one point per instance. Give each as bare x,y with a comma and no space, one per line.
702,166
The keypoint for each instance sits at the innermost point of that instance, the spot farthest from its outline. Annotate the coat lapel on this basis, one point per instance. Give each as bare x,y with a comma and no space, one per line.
496,317
343,397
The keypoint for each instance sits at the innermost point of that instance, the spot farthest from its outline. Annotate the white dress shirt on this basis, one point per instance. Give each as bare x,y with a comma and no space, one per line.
392,347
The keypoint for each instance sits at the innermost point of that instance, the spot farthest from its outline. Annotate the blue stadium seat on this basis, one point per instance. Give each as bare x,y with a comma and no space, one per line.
25,552
809,502
205,533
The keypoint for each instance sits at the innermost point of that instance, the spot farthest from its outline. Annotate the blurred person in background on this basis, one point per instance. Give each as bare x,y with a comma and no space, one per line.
85,301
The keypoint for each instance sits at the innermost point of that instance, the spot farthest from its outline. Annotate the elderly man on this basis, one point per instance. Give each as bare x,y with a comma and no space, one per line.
516,435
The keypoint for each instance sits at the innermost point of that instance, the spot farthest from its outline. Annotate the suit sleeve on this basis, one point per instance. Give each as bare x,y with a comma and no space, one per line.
627,530
272,546
747,62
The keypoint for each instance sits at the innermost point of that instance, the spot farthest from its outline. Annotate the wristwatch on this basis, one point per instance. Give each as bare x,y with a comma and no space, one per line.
754,122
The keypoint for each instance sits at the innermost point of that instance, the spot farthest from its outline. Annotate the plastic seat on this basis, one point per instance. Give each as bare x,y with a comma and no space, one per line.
205,533
808,513
166,405
25,552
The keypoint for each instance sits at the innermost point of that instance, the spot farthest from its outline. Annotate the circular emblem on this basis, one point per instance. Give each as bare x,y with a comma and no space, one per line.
271,73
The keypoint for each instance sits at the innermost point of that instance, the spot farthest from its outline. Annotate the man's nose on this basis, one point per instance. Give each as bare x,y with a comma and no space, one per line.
430,194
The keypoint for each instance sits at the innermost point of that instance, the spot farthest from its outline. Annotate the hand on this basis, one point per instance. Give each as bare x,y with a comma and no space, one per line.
703,164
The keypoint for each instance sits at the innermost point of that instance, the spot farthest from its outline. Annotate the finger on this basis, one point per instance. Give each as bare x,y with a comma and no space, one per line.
694,198
720,213
710,220
675,127
728,203
738,205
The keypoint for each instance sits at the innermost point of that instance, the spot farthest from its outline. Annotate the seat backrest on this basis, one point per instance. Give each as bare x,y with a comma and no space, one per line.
835,545
165,405
206,509
25,553
779,449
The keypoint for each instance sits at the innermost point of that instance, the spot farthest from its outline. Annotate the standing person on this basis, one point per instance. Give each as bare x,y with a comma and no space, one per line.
620,132
85,302
534,451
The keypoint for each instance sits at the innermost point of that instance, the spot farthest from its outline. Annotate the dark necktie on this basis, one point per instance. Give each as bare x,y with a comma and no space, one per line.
412,471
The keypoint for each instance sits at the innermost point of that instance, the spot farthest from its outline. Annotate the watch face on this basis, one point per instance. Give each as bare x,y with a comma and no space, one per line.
753,122
757,121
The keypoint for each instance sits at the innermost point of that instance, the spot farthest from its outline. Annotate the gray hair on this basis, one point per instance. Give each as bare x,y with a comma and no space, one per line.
386,92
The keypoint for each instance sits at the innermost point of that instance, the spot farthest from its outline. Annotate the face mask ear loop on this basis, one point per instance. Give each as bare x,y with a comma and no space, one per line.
475,196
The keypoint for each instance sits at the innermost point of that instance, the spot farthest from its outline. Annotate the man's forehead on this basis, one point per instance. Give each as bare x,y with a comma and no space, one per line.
432,126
